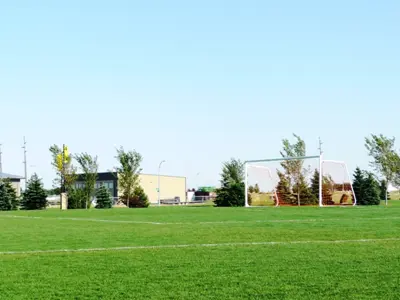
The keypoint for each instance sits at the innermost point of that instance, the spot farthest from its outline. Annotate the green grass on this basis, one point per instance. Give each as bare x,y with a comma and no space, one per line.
289,269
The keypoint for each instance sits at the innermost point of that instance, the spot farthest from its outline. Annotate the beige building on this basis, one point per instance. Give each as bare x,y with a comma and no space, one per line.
15,181
170,187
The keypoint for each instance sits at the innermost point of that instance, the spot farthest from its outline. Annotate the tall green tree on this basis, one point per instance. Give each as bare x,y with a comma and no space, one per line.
366,188
35,195
256,189
232,190
294,170
304,193
89,167
8,196
315,184
103,198
128,172
358,183
383,192
283,190
385,159
371,191
5,199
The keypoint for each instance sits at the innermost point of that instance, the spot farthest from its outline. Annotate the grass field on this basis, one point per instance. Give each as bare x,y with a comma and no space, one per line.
202,253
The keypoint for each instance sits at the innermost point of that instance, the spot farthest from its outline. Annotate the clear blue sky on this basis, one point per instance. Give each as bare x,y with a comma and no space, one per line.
196,82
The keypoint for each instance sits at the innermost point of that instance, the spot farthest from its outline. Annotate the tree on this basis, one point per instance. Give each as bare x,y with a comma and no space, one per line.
232,190
128,172
8,196
315,184
5,200
103,198
284,191
304,193
358,182
65,170
366,188
370,190
76,198
34,196
256,189
294,168
385,159
89,167
139,198
383,192
251,189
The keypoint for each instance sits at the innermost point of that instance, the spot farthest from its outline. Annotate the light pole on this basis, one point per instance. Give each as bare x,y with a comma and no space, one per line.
197,181
159,167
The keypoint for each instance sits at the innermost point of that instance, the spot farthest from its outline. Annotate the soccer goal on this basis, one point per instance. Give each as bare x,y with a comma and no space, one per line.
290,181
337,188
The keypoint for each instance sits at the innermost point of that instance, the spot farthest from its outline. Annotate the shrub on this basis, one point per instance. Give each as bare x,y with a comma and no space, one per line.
76,198
138,200
103,198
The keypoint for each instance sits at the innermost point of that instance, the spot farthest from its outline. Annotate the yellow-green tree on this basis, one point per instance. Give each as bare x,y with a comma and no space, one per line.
65,170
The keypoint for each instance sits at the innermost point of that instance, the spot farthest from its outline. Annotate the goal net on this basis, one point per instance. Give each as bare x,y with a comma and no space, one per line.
307,180
337,188
283,181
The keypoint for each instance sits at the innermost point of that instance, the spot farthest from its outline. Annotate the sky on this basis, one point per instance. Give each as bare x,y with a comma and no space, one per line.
195,83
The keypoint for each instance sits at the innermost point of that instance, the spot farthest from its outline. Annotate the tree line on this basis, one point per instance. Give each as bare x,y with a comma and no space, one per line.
293,188
35,196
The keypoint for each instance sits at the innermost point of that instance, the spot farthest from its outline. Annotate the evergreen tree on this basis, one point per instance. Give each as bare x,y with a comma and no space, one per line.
315,184
5,199
232,189
103,198
370,191
358,182
139,198
283,191
383,190
34,196
256,189
14,201
306,196
251,189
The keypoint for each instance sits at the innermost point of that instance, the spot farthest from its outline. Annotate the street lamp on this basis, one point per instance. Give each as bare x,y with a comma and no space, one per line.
159,167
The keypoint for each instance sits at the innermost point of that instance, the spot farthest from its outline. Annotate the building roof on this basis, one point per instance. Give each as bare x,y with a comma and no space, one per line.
10,176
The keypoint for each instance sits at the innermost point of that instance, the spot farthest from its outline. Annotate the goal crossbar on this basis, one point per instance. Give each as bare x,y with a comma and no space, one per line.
280,159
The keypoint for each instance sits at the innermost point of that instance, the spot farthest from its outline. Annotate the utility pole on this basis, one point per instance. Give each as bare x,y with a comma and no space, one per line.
1,164
159,168
25,164
62,179
320,146
320,196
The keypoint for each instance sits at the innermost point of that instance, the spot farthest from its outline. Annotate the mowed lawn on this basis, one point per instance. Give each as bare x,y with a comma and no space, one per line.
202,253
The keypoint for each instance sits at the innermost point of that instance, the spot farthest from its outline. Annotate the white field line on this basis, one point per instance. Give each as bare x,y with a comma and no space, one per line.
202,222
233,244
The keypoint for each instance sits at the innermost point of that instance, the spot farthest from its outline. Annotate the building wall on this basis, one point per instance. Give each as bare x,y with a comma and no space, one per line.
17,186
170,187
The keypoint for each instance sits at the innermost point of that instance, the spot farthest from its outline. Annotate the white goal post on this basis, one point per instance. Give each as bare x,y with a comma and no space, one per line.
286,181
